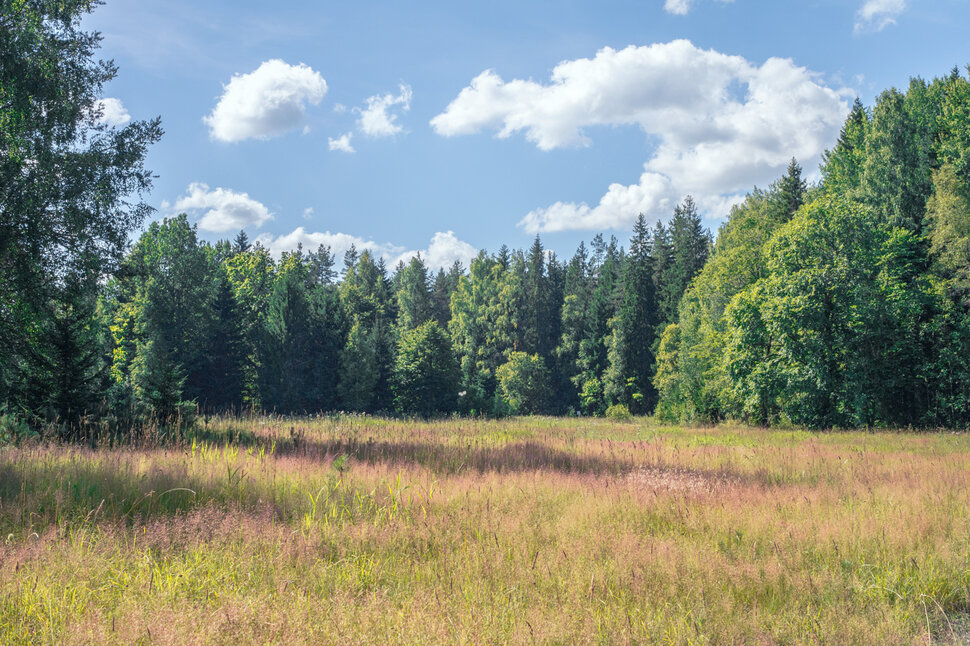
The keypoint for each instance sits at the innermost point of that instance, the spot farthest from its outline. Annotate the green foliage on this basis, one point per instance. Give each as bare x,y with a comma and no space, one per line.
948,219
359,372
482,327
302,340
630,353
618,413
164,318
426,373
14,429
68,202
842,304
367,361
414,305
524,383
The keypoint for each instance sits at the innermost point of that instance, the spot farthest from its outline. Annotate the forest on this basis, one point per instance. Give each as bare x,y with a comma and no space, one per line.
837,304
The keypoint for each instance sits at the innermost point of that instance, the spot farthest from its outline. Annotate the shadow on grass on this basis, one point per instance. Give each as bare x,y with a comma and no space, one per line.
428,451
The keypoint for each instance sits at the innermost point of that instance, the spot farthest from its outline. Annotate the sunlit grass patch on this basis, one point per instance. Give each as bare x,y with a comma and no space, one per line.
545,530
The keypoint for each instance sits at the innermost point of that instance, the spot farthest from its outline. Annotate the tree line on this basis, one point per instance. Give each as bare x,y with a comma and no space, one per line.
840,304
226,327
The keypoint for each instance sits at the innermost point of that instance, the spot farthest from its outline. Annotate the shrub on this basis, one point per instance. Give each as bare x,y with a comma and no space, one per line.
618,412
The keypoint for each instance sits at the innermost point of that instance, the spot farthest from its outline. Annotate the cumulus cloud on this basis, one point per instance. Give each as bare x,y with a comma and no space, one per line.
341,143
267,102
113,112
442,251
376,120
225,210
723,123
876,15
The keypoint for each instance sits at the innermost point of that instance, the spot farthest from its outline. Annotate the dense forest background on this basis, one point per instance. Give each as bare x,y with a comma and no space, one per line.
842,304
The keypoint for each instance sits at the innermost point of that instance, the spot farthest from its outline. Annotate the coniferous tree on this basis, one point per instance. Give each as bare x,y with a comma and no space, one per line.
688,251
441,290
226,352
167,289
240,243
575,321
631,358
368,303
426,374
414,304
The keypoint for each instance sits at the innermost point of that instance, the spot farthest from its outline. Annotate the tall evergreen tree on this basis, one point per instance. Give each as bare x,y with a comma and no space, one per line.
368,302
443,287
414,304
631,358
240,243
689,248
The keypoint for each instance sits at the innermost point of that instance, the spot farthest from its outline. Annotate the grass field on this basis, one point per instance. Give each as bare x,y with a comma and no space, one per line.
535,530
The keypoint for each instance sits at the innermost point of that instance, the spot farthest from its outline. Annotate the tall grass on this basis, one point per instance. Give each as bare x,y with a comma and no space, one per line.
532,530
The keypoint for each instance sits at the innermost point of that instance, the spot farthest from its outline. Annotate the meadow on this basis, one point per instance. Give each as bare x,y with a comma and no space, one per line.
526,530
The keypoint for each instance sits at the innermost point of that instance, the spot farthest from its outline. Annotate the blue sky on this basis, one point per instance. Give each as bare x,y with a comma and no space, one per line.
447,127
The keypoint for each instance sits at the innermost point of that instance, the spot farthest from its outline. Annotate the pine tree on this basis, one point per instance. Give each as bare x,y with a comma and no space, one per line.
425,373
226,352
631,357
369,306
575,322
791,190
842,166
441,291
241,242
414,305
322,266
689,248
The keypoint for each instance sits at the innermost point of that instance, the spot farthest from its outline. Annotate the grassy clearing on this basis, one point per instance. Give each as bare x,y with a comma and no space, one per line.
517,531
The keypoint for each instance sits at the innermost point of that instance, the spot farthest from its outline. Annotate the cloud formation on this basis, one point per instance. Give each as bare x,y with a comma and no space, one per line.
876,15
225,210
376,120
442,250
113,112
266,103
341,143
723,123
681,7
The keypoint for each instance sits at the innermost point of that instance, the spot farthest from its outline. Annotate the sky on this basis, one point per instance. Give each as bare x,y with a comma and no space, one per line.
444,128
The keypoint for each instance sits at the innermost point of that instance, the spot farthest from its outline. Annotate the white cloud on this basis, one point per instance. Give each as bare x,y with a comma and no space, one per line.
681,7
341,143
723,123
442,251
265,103
339,243
113,112
678,7
225,210
876,15
308,213
375,121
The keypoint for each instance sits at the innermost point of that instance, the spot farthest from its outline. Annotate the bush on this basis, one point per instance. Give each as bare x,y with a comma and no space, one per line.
618,412
14,429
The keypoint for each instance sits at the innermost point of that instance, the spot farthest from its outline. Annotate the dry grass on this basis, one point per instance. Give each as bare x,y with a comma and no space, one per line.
521,531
